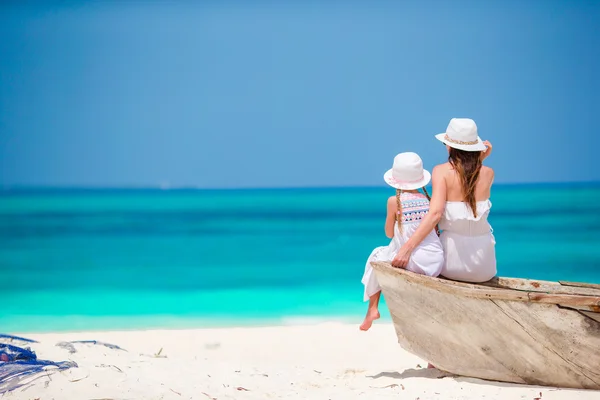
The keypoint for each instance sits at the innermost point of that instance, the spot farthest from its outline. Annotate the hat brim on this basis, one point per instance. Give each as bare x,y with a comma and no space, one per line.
389,179
466,147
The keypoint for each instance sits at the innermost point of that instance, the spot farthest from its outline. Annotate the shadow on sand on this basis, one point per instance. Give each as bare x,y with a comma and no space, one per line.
430,373
434,373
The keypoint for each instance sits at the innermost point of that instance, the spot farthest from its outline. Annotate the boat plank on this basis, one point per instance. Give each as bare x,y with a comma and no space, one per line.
593,315
531,285
580,284
572,299
590,309
562,332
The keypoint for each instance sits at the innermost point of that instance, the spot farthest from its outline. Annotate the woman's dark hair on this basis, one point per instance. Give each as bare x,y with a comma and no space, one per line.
468,165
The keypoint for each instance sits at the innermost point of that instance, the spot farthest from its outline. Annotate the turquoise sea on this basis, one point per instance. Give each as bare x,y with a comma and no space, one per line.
124,259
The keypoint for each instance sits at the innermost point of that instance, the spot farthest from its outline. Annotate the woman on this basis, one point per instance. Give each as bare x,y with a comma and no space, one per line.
461,204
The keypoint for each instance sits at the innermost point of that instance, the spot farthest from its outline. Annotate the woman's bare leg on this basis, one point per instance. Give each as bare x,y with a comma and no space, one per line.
372,312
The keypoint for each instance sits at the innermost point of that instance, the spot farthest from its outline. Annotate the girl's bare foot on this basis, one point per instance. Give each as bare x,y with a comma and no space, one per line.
372,315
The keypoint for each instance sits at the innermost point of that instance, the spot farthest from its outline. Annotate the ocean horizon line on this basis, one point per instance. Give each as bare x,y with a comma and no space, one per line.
191,188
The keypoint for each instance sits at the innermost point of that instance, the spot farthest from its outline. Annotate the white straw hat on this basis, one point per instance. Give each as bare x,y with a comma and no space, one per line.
462,134
407,172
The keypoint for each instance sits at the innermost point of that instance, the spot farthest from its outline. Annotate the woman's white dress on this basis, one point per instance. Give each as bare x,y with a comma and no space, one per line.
426,259
469,245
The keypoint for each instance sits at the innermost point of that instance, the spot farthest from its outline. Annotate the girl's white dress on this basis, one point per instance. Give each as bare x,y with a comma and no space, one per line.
426,259
468,242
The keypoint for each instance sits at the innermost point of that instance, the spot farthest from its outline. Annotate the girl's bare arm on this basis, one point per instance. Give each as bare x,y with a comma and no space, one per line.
390,219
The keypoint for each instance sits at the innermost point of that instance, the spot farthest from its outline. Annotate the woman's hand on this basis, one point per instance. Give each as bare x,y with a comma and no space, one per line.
486,153
401,259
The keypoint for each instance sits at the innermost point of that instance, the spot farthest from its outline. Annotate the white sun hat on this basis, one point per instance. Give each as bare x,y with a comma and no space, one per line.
462,135
407,172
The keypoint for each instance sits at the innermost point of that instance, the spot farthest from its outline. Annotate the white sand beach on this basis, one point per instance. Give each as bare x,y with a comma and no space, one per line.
326,361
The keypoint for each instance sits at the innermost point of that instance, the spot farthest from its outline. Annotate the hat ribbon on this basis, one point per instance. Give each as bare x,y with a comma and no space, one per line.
449,139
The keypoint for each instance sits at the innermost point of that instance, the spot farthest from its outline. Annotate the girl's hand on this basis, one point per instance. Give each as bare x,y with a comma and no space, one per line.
401,259
486,153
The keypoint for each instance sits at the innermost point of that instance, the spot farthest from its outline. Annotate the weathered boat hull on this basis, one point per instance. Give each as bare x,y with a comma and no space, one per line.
493,331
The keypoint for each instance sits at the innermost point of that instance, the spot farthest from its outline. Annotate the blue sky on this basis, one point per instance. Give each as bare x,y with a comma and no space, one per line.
266,94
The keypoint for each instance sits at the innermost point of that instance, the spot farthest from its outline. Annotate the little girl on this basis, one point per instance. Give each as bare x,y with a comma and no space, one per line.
404,214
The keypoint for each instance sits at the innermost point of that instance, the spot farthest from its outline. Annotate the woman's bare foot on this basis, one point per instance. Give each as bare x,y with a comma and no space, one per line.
372,315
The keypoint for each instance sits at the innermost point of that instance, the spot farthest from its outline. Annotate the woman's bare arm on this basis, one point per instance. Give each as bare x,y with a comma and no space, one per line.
390,219
437,206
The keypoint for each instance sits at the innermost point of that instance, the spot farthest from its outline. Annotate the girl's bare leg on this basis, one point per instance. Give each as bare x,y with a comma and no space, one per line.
372,312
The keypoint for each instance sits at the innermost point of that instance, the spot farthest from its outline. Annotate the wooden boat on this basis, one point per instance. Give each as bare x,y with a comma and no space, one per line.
511,330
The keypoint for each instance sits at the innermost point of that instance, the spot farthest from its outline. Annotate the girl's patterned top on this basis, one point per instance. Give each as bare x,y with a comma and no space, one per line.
415,207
